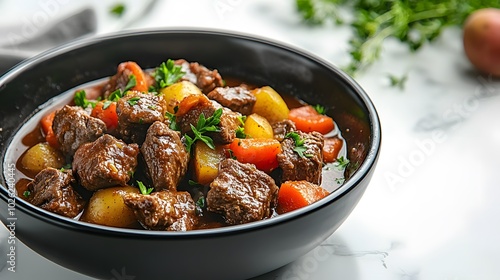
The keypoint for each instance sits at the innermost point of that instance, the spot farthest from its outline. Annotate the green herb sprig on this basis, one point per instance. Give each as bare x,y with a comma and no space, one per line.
299,148
413,22
167,74
204,125
81,100
144,190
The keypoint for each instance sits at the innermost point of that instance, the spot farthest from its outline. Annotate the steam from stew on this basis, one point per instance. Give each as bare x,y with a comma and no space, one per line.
176,148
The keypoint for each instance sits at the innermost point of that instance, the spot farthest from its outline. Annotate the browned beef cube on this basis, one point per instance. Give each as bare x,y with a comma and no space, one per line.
229,121
136,112
242,193
201,76
164,210
165,156
52,190
105,162
307,167
238,99
73,127
282,128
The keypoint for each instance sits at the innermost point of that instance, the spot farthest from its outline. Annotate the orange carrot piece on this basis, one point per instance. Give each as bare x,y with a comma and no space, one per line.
297,194
307,119
108,115
50,136
190,102
331,149
140,79
260,151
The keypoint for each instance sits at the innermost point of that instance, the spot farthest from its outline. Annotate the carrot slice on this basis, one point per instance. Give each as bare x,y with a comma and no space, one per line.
331,149
106,111
297,194
50,136
307,119
260,151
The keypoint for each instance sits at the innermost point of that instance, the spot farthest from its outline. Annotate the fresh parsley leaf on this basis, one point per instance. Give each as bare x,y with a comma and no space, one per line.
173,121
143,188
133,101
201,202
65,167
116,95
80,99
106,104
202,126
117,10
398,81
339,180
26,194
320,109
132,82
167,74
342,163
240,133
299,148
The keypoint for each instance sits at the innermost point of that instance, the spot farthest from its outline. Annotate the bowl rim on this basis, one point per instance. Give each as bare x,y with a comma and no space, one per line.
351,183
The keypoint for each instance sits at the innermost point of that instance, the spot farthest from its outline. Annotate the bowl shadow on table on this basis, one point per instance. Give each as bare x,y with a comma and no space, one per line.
332,259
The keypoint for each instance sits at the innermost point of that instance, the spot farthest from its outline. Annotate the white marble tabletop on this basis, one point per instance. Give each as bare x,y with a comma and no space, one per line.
431,210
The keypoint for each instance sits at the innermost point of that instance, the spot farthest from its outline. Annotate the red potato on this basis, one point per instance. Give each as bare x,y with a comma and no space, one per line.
481,39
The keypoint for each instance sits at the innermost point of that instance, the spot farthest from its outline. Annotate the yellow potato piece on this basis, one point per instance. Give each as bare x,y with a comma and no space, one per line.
270,105
106,207
41,156
174,94
206,162
258,127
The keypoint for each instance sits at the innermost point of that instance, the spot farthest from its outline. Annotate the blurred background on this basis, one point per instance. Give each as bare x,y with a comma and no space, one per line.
431,209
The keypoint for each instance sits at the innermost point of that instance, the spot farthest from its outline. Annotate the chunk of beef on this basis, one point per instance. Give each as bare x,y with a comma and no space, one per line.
164,210
73,127
282,128
165,156
242,193
307,167
122,78
201,76
105,162
229,121
52,190
238,99
136,112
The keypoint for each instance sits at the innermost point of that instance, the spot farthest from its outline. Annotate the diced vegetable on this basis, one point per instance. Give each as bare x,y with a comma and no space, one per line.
297,194
106,207
331,149
259,151
307,119
50,136
41,156
106,111
175,93
140,83
258,127
189,102
206,162
270,104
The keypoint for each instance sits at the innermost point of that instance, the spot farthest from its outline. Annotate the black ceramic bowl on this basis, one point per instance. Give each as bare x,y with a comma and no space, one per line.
235,252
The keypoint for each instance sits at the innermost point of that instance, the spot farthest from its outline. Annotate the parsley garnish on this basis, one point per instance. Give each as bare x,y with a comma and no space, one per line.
167,74
106,104
117,9
320,109
173,121
116,95
240,133
143,188
299,144
132,101
80,99
65,167
204,125
132,82
339,181
342,162
398,81
26,194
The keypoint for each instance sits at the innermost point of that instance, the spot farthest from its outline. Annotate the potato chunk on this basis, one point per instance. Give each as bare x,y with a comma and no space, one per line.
106,207
41,156
258,127
175,93
270,105
206,162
